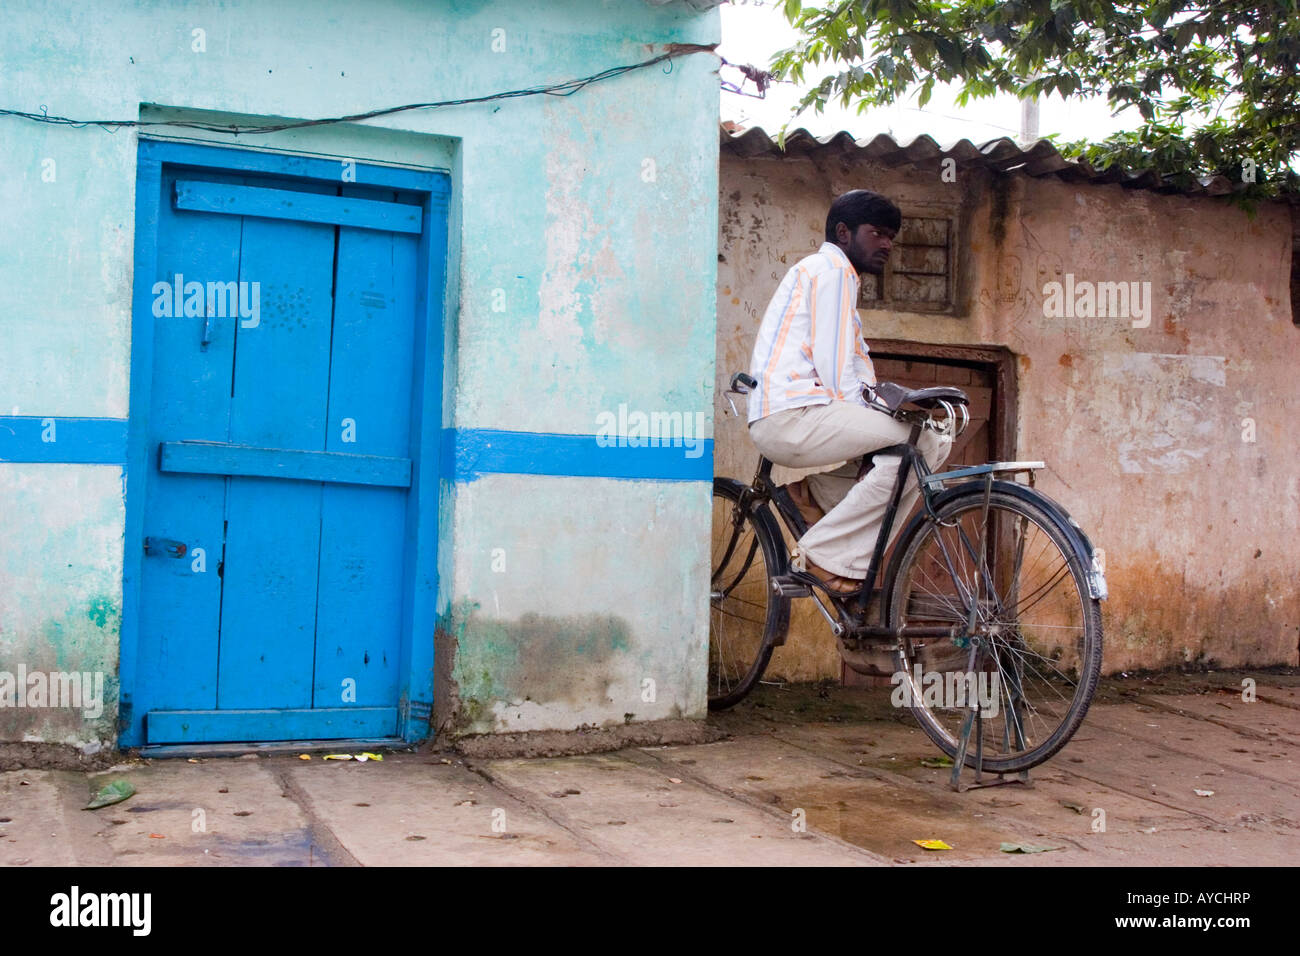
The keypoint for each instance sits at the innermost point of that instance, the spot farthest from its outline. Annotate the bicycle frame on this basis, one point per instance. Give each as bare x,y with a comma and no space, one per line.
911,460
852,607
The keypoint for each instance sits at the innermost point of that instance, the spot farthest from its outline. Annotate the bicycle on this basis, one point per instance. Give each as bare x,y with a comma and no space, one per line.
991,581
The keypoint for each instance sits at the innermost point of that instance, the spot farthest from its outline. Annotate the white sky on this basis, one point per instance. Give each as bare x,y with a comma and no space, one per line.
753,31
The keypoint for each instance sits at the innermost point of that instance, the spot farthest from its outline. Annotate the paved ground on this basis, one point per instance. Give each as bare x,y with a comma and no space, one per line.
843,756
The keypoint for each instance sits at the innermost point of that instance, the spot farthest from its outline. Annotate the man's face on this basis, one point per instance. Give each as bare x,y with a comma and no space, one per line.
867,247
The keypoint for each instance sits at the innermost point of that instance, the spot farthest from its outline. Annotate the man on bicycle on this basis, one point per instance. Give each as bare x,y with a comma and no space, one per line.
809,410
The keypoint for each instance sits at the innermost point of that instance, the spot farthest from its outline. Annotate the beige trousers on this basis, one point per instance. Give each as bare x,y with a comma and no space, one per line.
844,540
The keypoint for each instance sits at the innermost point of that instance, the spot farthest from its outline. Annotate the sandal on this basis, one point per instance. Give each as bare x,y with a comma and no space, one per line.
835,583
801,495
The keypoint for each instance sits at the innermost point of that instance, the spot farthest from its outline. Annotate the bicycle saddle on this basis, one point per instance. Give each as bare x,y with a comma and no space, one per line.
894,396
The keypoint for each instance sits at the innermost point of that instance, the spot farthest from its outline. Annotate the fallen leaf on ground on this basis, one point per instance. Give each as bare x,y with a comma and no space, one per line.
936,762
1026,848
1076,807
1203,793
112,793
304,756
932,844
337,757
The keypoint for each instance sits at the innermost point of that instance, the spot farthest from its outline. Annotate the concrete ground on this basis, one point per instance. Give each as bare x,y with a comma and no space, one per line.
842,756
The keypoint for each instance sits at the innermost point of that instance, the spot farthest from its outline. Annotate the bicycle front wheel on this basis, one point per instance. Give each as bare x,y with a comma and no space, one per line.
745,618
1033,658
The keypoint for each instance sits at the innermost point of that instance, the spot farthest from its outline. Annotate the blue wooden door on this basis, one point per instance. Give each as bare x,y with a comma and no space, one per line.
279,475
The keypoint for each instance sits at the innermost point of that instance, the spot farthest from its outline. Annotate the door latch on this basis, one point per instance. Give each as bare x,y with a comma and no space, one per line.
160,545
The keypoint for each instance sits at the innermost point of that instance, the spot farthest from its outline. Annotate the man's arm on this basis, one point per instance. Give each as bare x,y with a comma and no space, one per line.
836,332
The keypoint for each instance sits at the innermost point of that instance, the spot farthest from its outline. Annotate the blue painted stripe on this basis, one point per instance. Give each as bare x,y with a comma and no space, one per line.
297,206
477,452
470,453
58,440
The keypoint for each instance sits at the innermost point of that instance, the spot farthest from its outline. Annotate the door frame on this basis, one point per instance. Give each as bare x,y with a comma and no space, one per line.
997,359
420,543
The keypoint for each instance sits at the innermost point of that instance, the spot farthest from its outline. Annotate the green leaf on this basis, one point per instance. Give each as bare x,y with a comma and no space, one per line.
112,793
936,762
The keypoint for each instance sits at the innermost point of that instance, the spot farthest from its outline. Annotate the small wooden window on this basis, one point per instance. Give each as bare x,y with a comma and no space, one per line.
919,274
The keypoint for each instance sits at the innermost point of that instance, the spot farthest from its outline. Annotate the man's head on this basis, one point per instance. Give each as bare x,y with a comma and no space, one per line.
864,224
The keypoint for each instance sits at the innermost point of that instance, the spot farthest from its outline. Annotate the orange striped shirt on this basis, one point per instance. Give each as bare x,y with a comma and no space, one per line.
809,349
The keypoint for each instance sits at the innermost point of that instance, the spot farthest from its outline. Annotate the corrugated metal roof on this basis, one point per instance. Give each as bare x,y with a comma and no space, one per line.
1001,155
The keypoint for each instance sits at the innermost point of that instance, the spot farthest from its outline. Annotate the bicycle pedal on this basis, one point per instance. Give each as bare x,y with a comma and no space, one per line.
784,585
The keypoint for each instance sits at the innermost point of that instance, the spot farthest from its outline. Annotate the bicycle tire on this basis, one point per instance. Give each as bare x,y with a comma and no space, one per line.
1043,655
746,552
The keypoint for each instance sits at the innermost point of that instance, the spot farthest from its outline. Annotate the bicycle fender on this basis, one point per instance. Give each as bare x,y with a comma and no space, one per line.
1074,534
1078,538
767,521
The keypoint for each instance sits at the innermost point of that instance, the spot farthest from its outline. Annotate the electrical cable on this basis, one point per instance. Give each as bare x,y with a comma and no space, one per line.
565,88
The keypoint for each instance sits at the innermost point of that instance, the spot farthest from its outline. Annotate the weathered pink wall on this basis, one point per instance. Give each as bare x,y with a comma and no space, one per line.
1145,430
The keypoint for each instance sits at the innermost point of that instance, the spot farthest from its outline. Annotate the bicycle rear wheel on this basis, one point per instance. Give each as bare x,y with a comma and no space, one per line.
745,618
1033,658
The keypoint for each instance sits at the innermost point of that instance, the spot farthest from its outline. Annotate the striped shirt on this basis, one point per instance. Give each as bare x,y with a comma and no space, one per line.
810,349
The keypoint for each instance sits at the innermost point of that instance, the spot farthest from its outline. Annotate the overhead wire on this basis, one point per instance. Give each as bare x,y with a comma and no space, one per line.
563,88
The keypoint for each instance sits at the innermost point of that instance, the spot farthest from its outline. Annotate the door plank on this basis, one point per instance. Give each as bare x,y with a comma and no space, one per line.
223,458
359,605
268,611
297,206
214,726
180,605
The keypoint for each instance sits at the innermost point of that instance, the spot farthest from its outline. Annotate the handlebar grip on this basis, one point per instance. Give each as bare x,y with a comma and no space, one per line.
740,378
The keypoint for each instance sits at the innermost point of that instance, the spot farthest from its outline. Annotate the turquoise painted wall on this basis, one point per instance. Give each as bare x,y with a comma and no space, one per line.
582,272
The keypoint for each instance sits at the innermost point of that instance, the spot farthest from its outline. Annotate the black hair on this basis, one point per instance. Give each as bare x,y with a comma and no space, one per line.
860,206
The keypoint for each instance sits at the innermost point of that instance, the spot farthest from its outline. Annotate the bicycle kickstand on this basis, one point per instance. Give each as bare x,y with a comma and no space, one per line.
970,722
